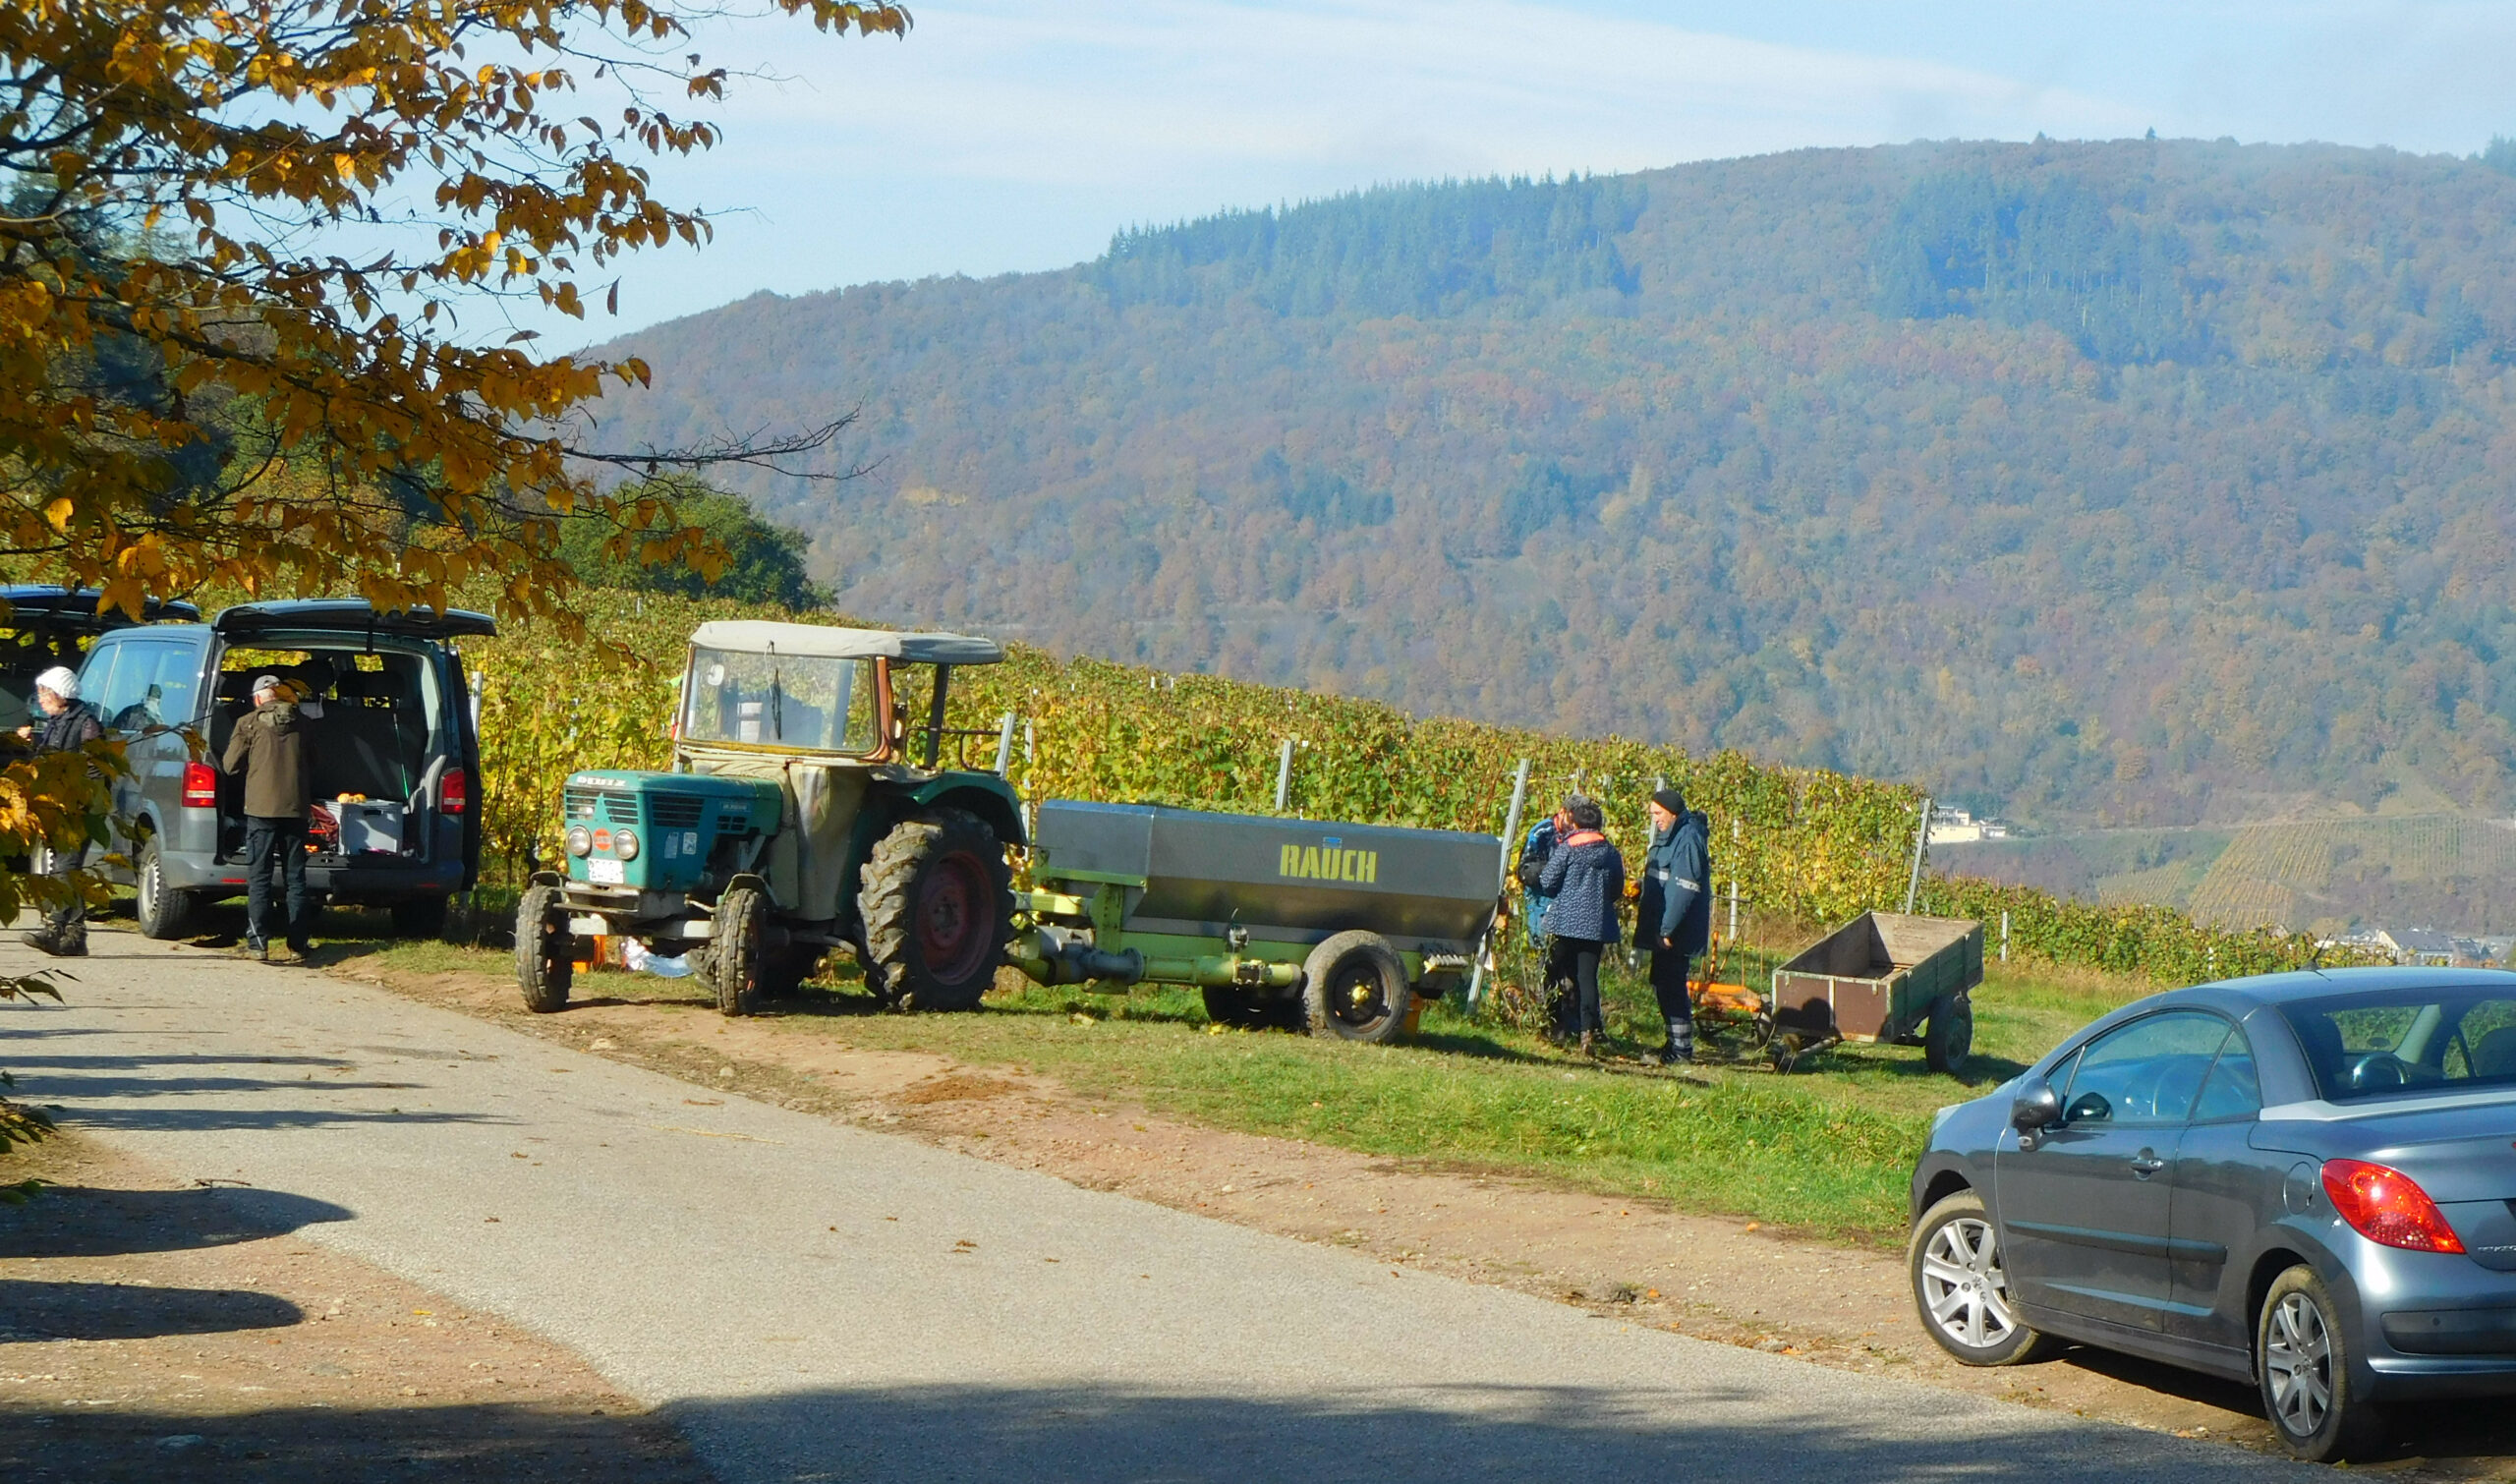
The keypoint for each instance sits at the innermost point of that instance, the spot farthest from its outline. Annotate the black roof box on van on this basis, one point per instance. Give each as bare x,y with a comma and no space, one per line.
37,606
355,613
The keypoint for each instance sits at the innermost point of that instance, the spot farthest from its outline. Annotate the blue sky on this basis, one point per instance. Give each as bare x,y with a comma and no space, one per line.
1003,136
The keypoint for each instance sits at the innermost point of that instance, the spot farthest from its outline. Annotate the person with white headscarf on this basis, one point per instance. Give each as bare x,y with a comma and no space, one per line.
67,726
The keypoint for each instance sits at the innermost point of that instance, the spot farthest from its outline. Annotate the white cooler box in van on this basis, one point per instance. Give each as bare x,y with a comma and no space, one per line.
368,827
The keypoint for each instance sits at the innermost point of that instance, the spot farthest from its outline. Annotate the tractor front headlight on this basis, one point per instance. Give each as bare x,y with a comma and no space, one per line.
624,844
580,841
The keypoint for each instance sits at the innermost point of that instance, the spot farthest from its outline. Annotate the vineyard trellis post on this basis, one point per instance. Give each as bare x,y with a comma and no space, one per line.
1921,842
1284,776
1005,748
1501,877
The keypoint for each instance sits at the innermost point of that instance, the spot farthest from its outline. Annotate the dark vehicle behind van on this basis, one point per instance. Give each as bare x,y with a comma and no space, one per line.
388,716
48,626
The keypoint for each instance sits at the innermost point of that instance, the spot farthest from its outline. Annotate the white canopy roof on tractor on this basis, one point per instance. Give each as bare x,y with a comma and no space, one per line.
755,636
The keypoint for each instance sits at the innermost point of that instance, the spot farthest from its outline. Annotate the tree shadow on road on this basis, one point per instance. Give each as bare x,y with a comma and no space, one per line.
339,1445
85,1221
40,1311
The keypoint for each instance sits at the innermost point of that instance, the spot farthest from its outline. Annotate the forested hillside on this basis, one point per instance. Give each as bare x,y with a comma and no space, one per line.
2137,483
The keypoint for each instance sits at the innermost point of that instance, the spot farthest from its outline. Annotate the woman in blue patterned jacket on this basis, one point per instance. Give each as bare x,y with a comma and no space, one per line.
1585,881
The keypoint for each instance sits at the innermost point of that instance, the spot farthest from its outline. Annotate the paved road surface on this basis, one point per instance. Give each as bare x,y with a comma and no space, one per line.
817,1302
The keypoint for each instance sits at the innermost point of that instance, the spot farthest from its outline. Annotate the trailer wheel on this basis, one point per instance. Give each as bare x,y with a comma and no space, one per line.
544,949
1354,988
1950,1035
741,956
938,906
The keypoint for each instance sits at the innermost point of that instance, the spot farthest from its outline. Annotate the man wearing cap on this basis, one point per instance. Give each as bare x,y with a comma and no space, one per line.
1672,919
67,727
269,747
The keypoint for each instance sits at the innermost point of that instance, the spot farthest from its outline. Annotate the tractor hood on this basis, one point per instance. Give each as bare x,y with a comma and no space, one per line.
750,636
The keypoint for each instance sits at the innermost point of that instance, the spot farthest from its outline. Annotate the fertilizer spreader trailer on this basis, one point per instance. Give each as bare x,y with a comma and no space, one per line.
794,822
1342,929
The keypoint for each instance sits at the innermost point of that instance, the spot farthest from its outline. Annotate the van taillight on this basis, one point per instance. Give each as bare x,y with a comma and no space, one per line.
201,786
455,792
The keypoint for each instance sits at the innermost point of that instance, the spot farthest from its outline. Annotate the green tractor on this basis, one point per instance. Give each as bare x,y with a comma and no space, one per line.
791,824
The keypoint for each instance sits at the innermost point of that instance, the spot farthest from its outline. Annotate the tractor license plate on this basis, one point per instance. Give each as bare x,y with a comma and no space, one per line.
603,873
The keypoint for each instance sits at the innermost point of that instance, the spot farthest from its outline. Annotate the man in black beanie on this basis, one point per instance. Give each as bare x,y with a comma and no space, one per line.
1673,920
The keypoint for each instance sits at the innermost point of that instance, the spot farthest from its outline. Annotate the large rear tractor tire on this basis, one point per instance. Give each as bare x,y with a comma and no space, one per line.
938,906
163,912
1354,988
545,950
741,963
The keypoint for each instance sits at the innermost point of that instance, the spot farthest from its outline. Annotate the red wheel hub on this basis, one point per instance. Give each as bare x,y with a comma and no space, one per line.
952,929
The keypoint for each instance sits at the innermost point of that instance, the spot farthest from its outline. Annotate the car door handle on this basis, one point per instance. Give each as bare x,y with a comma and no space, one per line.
2146,1163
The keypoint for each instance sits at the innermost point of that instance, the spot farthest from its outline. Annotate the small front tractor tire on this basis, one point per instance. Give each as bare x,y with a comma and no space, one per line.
937,907
1354,988
740,958
545,950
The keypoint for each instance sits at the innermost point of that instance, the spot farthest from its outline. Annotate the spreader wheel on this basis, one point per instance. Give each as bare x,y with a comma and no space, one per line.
1354,988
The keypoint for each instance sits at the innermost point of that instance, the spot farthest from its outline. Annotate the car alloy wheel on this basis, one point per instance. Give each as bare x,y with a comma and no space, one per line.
1964,1290
2297,1364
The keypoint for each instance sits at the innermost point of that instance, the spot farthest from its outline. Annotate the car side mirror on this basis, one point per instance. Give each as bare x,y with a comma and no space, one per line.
2037,1108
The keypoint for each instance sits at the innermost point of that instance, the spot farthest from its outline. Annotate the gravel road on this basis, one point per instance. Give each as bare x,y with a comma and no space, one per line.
811,1301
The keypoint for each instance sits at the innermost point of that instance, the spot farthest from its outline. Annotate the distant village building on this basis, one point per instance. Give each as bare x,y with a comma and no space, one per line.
1956,826
2421,946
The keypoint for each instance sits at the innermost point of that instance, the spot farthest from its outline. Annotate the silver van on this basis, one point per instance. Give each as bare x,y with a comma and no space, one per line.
393,741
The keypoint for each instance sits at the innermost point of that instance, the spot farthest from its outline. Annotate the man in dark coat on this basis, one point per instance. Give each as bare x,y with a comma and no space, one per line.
269,747
1672,919
1585,878
66,724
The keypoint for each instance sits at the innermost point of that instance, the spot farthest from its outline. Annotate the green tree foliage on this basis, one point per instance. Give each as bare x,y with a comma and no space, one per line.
764,563
2126,482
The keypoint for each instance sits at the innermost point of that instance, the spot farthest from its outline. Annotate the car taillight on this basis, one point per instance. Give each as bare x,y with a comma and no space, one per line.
201,786
455,792
2387,1206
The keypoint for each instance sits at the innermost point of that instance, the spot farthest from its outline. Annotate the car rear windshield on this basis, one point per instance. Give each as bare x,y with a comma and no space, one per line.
2407,1041
780,701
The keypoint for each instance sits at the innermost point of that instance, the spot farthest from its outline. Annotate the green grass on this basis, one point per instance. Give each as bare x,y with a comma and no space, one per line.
1825,1149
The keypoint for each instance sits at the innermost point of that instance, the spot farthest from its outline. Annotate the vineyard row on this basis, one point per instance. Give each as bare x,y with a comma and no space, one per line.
1801,846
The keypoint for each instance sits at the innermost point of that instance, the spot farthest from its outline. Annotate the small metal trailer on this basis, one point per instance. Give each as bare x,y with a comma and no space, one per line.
1883,977
1346,928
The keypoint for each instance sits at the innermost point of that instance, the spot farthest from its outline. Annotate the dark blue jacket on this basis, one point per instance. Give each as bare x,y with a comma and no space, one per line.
1676,888
1587,880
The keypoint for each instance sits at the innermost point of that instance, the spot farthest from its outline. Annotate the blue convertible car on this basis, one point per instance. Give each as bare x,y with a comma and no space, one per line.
2305,1181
